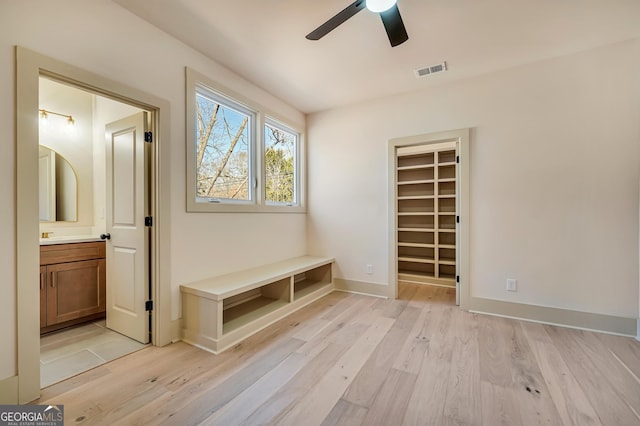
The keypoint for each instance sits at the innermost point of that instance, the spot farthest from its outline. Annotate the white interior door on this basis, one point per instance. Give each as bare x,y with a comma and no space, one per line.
127,247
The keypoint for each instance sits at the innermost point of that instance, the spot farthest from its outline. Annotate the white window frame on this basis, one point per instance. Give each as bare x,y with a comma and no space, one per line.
296,163
195,82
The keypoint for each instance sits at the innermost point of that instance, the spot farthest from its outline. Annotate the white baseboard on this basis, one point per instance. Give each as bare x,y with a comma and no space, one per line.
556,316
176,330
361,287
9,390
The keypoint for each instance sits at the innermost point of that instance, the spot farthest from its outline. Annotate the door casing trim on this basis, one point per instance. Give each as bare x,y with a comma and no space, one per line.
461,137
30,66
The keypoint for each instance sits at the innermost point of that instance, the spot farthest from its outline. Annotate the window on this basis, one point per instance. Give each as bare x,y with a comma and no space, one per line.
238,160
223,148
280,148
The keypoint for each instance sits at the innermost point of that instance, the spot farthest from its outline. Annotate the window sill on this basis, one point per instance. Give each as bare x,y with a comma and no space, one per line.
204,207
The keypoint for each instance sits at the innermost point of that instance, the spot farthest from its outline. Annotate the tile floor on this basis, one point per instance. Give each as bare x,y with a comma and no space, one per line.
65,353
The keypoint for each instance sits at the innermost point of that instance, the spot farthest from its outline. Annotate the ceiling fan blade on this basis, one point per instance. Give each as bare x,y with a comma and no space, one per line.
334,22
395,27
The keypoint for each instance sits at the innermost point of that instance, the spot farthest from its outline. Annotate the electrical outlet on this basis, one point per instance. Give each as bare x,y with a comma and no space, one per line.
512,285
369,268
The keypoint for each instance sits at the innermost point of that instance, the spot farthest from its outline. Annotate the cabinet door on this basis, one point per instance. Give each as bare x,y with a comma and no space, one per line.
43,296
75,290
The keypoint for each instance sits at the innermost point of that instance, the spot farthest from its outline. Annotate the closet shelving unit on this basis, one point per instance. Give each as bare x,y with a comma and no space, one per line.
426,216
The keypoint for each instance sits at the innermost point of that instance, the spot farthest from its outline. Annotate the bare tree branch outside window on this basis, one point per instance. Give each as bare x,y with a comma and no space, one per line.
222,157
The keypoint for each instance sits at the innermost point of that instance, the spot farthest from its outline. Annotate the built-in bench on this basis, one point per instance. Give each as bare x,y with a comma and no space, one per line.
219,312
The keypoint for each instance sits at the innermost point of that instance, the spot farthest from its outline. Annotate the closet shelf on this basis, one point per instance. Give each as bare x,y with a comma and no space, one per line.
415,182
416,213
417,245
415,273
416,259
417,167
416,229
416,197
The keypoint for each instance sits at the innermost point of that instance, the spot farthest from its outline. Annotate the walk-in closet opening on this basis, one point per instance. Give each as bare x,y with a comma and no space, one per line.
426,209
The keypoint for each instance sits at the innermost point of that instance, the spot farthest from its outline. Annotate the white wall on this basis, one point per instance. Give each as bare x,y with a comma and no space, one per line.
554,179
103,38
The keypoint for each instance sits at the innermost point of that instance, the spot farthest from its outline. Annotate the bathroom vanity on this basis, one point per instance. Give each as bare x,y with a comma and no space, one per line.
72,282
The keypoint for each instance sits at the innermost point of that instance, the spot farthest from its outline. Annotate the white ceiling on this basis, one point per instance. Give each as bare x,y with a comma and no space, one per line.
264,40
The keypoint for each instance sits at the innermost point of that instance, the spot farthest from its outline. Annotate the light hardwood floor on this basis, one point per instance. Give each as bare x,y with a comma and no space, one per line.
349,359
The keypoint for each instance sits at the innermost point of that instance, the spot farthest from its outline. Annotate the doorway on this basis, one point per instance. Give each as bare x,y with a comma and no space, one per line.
80,329
429,213
30,66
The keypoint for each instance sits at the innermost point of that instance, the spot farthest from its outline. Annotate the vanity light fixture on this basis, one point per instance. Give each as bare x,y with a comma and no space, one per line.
44,115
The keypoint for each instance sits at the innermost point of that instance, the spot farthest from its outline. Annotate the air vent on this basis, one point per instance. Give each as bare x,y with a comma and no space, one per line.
431,69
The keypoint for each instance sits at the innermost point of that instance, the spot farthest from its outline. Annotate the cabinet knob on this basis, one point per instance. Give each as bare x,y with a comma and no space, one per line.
105,236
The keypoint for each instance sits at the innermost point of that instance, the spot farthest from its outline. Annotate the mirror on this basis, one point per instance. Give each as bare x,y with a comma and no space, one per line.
58,186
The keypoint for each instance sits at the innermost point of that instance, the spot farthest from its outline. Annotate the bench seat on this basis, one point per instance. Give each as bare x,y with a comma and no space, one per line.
221,311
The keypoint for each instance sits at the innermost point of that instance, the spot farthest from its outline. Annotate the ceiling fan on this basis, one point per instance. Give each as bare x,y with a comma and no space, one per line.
388,10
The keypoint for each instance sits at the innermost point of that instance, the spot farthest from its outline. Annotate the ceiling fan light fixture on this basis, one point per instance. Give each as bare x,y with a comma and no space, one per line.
387,9
380,5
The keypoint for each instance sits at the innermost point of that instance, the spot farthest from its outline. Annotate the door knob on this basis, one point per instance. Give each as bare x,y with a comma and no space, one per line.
105,236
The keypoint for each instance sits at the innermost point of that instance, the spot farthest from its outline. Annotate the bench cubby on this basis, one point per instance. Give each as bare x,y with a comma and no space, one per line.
221,311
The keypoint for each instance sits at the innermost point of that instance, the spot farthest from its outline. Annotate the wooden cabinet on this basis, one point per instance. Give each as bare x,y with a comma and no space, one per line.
72,284
426,214
43,296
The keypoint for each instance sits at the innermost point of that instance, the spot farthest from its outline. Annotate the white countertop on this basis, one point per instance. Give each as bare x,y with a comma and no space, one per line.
65,239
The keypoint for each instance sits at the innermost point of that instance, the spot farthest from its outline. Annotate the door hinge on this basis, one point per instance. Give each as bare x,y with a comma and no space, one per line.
148,221
457,219
457,158
148,137
457,278
148,305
